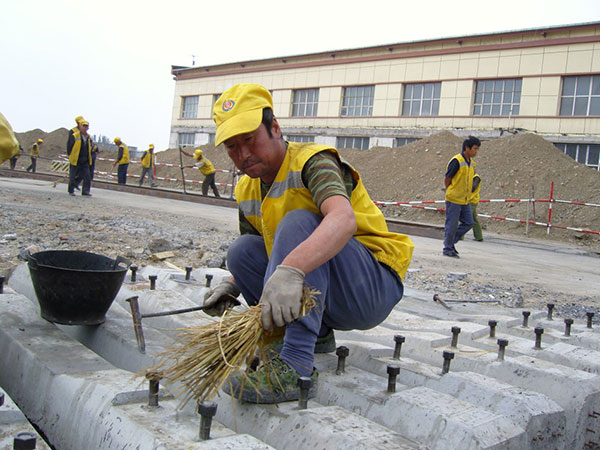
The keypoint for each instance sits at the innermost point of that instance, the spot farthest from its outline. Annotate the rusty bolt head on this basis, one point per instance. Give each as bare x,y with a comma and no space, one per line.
455,330
399,339
526,313
342,351
207,409
569,321
304,382
590,315
393,370
448,355
538,331
152,277
502,342
492,323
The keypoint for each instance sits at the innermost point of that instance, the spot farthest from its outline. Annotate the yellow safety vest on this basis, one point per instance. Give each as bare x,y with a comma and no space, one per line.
148,160
207,168
288,193
74,156
474,198
35,150
125,158
459,190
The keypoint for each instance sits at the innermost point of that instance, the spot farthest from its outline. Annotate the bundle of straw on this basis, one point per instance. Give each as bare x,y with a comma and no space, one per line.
204,357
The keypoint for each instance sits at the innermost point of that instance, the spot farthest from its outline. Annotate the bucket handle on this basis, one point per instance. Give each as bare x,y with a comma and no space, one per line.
32,261
120,260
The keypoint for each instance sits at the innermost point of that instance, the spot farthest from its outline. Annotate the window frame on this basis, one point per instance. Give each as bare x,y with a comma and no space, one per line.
341,142
497,97
416,96
357,99
179,139
301,106
581,153
300,138
186,111
580,95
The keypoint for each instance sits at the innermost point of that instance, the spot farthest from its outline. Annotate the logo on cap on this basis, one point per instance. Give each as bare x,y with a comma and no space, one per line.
228,104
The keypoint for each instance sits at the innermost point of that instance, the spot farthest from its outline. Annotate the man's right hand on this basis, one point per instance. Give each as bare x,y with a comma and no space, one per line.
220,298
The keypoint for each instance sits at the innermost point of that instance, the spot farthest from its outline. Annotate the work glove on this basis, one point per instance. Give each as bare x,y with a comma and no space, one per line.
221,297
282,297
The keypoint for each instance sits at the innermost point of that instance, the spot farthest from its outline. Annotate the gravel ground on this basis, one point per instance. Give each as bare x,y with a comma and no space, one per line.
43,218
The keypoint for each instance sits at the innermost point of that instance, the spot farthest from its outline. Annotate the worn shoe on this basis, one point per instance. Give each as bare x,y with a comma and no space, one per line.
451,255
87,195
275,382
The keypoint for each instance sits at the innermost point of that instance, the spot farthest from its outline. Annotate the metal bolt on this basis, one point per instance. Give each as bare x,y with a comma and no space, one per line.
24,441
590,316
550,309
209,278
502,343
399,340
568,323
492,324
448,356
2,278
342,352
188,272
455,333
538,337
154,386
304,383
392,372
526,315
207,411
133,272
152,279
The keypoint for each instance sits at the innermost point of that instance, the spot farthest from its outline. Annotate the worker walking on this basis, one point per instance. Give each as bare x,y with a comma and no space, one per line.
35,151
305,219
148,166
79,150
206,168
122,160
459,182
473,202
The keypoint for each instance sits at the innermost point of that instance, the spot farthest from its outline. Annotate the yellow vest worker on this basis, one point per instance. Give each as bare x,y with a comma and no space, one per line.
122,160
34,153
148,166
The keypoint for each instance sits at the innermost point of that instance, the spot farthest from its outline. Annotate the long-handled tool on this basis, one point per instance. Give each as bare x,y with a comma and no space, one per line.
443,302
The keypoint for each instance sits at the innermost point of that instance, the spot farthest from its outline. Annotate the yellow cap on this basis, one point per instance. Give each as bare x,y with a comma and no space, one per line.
40,141
78,119
151,146
84,122
197,154
117,140
239,110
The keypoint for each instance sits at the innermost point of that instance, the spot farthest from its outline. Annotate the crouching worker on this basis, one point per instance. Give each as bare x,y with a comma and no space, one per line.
305,218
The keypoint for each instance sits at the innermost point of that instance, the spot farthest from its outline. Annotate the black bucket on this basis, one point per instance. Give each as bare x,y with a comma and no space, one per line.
75,287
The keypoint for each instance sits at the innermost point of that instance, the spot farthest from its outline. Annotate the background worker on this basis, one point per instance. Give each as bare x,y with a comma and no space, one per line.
473,202
122,160
459,182
305,218
78,119
35,151
79,150
148,166
207,169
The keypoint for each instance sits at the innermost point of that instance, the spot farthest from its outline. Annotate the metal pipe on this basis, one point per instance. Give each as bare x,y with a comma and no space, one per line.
392,372
538,337
342,352
207,411
550,309
209,278
152,279
590,316
133,273
154,386
137,323
568,323
492,324
502,343
526,315
188,272
399,340
448,356
455,333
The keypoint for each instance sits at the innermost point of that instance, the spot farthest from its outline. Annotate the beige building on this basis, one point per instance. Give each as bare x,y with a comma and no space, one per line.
544,80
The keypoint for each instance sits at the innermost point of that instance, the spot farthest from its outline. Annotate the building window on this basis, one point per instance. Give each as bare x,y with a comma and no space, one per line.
189,107
580,96
421,99
497,97
588,154
300,138
185,139
211,138
399,142
358,101
306,102
360,143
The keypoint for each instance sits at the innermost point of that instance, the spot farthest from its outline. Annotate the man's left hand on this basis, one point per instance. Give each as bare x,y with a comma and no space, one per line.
282,297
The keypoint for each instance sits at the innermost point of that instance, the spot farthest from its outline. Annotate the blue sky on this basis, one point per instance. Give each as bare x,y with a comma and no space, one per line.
111,60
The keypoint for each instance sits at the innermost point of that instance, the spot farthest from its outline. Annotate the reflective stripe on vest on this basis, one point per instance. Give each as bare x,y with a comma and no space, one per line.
459,190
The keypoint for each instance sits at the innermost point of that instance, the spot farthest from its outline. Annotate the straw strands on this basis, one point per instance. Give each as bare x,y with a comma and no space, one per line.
203,358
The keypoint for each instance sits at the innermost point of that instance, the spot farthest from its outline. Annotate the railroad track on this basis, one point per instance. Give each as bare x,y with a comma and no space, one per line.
395,225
